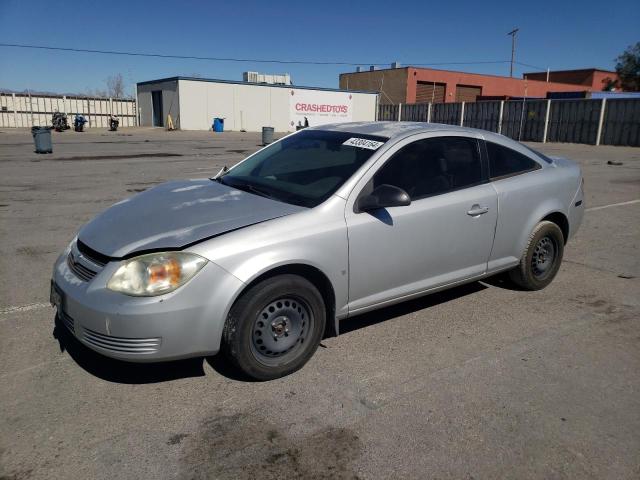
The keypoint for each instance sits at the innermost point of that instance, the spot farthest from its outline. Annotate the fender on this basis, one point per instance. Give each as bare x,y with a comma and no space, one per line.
316,238
543,210
520,194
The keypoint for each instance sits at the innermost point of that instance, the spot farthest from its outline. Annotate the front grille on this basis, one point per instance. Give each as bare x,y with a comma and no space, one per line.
67,321
82,272
121,344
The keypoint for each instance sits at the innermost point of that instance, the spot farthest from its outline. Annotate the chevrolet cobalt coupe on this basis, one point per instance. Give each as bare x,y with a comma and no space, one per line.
330,222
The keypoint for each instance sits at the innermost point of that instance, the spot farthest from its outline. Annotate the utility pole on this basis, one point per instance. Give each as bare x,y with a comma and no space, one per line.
513,48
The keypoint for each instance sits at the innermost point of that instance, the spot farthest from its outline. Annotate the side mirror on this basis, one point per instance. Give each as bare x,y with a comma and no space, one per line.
383,196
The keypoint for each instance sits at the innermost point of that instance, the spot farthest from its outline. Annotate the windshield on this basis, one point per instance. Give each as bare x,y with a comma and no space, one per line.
304,169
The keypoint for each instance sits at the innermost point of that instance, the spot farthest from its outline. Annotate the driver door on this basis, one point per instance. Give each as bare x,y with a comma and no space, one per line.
444,236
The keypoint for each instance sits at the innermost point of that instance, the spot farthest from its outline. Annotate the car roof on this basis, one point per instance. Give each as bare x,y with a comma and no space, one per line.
398,130
393,129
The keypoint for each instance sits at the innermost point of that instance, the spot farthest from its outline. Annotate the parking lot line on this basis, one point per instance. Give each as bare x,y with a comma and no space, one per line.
23,308
601,207
33,367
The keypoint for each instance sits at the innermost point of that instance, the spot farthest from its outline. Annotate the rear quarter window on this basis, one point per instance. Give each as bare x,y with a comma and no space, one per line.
538,154
505,162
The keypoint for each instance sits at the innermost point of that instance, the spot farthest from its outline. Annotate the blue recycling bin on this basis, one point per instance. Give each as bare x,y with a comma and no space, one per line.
78,123
218,124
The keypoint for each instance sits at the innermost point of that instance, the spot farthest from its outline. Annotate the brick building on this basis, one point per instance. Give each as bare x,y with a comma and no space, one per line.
593,78
427,85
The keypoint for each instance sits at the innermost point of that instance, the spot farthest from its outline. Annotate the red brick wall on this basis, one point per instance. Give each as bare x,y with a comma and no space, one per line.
593,79
576,77
491,85
599,80
399,85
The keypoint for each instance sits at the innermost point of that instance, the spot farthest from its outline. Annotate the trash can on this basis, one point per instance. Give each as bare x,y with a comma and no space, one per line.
267,135
218,124
42,139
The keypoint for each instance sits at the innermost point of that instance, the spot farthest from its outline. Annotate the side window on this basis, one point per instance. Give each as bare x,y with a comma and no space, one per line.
432,166
504,162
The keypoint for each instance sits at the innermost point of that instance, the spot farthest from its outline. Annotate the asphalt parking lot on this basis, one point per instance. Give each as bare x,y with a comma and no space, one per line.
477,382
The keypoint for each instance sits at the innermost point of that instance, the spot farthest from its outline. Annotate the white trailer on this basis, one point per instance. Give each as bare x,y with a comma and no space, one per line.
193,103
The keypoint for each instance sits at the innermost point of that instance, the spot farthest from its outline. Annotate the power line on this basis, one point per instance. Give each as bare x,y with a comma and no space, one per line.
530,66
233,59
183,57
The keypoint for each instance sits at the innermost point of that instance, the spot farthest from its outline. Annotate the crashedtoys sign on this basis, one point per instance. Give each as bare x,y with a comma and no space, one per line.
318,107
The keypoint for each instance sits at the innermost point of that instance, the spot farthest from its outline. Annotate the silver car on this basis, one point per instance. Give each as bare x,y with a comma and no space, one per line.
264,259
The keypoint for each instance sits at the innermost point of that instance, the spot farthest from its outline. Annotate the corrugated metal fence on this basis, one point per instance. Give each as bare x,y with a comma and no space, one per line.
595,122
24,110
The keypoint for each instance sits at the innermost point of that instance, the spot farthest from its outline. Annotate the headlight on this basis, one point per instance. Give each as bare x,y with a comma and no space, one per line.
155,273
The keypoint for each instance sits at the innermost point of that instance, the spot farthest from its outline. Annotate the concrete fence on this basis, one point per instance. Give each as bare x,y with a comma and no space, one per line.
595,122
24,110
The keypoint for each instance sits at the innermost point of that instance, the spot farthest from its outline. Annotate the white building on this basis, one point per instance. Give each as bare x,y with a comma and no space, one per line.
193,103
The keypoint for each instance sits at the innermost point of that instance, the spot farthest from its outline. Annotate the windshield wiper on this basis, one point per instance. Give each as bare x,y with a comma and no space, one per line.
257,190
247,187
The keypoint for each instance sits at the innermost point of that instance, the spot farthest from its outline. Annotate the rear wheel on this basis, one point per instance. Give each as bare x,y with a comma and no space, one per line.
275,327
541,259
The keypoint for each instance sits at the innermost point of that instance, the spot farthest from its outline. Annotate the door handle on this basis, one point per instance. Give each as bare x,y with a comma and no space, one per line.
477,210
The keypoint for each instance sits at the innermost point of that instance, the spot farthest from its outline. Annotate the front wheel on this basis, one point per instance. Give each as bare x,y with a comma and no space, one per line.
275,327
541,259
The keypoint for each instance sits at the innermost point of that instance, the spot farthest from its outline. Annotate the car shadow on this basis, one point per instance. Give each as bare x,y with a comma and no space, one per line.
383,215
220,364
117,371
502,280
223,367
410,306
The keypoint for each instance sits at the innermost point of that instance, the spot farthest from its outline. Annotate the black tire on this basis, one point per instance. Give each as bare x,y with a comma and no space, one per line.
541,259
287,309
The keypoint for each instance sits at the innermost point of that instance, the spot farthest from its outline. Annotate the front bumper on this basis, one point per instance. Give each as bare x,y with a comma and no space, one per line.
187,322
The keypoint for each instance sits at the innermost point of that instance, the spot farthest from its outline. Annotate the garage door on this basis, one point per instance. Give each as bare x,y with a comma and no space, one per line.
467,93
429,92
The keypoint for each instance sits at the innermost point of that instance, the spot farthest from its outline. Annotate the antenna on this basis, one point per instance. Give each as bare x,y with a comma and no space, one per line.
513,48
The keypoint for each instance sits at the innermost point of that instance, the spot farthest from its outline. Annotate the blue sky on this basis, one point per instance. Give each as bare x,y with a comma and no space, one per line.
558,35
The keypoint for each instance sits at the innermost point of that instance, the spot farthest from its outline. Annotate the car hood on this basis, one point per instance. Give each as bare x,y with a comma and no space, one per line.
176,214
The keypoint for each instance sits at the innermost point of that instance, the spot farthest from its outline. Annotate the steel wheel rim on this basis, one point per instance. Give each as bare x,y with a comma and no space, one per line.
543,258
280,330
